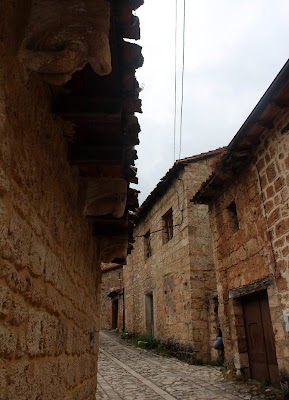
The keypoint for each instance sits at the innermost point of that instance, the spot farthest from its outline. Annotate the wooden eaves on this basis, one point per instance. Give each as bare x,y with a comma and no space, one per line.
101,109
240,150
167,180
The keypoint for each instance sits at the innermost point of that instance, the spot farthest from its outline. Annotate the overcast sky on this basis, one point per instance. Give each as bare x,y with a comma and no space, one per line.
233,51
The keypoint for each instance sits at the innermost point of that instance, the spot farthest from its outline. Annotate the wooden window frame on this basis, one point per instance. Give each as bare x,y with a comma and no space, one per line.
147,244
233,220
168,224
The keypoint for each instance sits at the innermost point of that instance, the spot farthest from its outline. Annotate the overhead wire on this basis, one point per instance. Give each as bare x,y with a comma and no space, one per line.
182,87
181,209
175,110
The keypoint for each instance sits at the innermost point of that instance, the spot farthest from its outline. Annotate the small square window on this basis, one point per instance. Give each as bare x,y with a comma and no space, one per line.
233,220
168,226
147,244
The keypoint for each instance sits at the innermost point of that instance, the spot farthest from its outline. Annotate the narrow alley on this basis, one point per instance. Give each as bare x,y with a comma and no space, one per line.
130,373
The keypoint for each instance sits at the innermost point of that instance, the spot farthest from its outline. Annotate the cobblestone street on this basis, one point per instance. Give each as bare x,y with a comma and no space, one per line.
130,373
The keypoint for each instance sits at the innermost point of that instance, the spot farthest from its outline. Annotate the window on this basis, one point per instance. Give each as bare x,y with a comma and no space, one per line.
147,244
233,221
168,226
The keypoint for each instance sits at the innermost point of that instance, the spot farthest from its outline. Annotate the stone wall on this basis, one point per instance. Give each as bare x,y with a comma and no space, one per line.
179,274
259,248
202,268
112,280
49,275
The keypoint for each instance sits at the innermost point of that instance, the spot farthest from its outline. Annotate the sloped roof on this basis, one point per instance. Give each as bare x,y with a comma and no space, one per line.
172,173
111,267
240,149
113,292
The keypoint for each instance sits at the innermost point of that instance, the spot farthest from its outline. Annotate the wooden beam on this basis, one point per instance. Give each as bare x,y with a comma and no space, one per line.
266,123
110,230
71,107
86,153
119,261
108,219
98,169
283,104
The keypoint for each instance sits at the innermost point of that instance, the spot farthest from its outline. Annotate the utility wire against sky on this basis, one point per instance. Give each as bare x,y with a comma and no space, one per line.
183,70
175,110
182,78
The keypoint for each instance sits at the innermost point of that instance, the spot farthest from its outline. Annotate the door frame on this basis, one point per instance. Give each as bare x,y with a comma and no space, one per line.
236,328
114,313
263,321
149,313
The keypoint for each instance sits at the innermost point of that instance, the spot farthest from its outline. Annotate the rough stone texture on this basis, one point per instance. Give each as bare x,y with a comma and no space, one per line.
49,274
130,373
260,247
106,196
111,281
61,37
180,272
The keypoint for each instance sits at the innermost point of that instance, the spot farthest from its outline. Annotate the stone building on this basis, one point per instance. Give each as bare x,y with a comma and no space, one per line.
248,196
112,304
67,133
169,279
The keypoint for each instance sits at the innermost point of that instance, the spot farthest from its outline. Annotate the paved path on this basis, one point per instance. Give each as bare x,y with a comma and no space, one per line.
129,373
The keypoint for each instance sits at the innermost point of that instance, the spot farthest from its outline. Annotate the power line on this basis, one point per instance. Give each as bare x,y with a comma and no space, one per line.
175,111
183,70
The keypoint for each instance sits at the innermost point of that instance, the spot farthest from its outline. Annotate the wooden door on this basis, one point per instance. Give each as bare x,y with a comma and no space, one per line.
114,314
149,311
152,314
260,339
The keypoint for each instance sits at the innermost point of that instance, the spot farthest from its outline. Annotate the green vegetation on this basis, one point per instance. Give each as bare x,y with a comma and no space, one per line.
149,341
265,382
285,393
219,362
125,335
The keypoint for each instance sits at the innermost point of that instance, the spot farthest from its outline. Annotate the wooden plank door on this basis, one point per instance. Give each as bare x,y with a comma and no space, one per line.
114,314
149,311
260,338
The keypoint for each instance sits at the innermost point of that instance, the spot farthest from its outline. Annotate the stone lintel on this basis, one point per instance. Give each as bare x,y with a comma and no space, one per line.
257,286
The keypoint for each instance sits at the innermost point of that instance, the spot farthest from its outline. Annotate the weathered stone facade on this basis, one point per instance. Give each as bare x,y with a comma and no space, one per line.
169,292
50,271
112,297
252,256
50,260
246,255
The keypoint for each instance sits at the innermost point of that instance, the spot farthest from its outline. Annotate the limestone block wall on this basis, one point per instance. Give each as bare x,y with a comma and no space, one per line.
49,271
111,279
273,167
202,268
259,249
179,273
167,270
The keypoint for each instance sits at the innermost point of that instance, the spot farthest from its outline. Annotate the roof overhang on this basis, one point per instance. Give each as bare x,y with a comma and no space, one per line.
113,292
240,150
80,51
167,180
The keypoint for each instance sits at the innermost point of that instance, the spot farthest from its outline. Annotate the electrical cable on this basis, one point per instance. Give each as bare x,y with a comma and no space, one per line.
170,226
183,70
159,230
175,110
